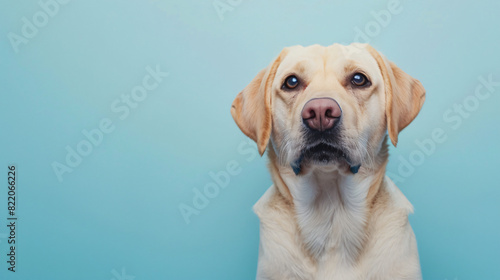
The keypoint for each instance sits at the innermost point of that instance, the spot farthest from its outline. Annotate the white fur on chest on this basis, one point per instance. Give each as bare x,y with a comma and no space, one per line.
331,213
328,234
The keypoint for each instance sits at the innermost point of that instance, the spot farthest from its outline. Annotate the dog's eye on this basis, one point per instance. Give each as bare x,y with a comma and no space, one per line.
291,82
359,80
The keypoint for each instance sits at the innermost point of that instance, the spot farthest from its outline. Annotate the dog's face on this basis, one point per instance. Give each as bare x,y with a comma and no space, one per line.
327,107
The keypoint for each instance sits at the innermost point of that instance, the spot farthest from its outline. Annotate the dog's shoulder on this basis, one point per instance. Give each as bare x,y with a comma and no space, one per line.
389,206
259,208
271,202
281,254
397,198
392,243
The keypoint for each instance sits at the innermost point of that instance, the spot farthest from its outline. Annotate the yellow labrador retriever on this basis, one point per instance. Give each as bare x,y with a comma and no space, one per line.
323,114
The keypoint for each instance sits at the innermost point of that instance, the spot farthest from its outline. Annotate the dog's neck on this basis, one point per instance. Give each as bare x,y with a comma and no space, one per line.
331,206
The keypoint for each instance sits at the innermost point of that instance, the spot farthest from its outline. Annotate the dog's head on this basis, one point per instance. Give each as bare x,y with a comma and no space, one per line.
327,107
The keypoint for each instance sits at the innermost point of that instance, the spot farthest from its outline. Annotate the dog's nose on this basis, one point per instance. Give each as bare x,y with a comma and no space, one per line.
321,113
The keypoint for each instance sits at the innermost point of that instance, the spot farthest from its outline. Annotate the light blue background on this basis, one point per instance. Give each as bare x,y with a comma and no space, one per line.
119,207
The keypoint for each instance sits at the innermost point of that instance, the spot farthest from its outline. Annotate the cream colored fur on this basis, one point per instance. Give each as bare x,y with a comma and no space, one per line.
326,222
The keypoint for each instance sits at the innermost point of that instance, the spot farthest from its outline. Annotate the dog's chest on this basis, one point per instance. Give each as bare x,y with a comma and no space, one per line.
331,219
334,230
324,230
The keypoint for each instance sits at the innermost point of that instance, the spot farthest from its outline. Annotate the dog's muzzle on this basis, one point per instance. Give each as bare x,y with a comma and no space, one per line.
320,117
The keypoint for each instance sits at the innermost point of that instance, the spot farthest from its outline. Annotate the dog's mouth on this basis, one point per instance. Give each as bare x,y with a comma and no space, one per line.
323,153
320,154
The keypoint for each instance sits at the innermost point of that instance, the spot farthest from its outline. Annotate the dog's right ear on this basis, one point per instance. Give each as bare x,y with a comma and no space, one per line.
252,108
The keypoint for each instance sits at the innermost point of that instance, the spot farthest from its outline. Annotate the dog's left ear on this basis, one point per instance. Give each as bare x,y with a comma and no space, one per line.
252,111
404,96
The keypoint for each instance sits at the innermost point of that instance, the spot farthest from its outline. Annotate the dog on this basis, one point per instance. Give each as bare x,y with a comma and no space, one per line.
324,115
